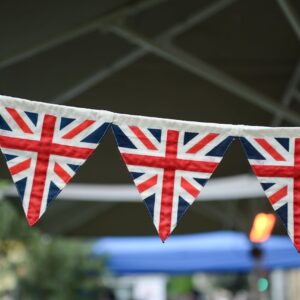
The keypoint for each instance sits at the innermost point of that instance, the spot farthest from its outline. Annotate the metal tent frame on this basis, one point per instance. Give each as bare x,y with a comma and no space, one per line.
163,47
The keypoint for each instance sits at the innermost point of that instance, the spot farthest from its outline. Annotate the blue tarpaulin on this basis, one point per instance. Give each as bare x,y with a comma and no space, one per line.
205,252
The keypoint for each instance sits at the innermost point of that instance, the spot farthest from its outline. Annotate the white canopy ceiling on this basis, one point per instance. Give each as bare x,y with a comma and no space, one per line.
227,188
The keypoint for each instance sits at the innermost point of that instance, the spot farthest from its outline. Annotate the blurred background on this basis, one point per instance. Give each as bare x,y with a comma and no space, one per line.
223,61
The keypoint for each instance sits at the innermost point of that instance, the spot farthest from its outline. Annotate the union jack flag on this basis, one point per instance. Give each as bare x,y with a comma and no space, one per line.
43,152
276,163
169,167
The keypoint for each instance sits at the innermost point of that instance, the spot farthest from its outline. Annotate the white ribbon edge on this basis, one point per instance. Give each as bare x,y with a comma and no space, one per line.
119,119
56,109
228,129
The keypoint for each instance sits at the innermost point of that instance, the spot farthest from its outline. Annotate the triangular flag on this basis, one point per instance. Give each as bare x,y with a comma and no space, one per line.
44,145
274,156
170,162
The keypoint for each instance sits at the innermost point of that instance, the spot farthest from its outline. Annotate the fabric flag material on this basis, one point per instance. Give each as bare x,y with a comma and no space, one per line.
44,145
170,162
274,156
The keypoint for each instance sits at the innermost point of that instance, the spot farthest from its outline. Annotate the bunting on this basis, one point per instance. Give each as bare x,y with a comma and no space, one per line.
274,156
44,146
170,162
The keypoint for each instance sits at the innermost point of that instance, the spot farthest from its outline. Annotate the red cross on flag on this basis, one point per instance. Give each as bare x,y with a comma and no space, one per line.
170,162
274,156
44,145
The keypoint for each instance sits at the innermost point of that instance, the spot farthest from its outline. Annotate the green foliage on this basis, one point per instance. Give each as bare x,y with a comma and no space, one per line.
47,267
231,282
12,226
57,269
180,285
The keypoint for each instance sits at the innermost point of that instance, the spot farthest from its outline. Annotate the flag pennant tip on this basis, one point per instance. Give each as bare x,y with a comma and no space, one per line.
169,167
43,152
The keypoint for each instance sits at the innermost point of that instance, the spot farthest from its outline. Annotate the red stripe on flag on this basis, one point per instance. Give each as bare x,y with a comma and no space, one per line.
270,149
20,167
273,171
39,146
168,186
18,119
296,204
278,195
147,184
142,137
41,170
168,163
65,176
189,187
202,143
79,128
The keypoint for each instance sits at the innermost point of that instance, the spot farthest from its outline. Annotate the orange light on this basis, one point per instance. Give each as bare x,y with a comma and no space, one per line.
262,227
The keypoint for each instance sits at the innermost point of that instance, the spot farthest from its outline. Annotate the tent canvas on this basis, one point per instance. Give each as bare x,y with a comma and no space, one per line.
214,252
